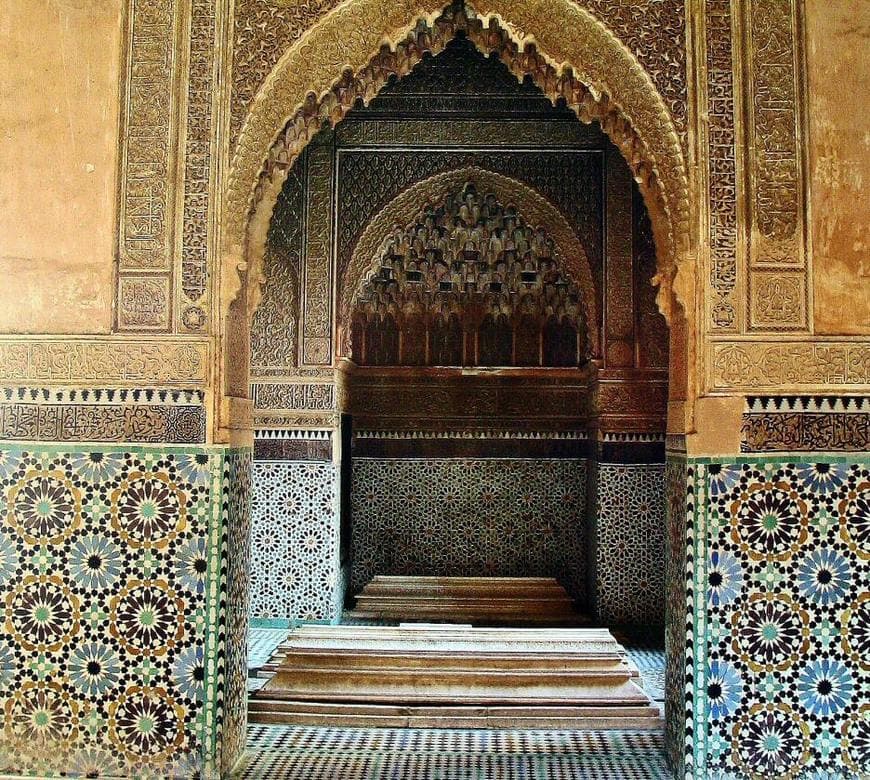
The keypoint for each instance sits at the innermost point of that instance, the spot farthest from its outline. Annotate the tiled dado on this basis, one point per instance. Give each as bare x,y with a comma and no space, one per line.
627,530
295,531
777,668
123,594
469,517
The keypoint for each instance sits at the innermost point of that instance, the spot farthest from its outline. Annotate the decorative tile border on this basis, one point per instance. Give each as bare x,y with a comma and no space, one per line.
102,415
278,444
678,648
435,754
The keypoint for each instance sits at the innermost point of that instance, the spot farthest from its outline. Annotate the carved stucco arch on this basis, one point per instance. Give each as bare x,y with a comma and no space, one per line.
534,209
356,47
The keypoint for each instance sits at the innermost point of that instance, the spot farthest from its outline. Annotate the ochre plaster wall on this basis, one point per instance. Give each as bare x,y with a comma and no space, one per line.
59,79
838,38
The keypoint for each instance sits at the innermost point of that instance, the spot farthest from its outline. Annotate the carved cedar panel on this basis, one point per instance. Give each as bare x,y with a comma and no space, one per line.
652,329
619,289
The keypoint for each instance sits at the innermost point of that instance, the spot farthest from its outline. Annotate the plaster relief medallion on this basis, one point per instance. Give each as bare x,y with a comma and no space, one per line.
193,318
148,510
143,303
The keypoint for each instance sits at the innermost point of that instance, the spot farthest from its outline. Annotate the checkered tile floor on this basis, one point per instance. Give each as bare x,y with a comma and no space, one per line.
311,753
262,643
308,753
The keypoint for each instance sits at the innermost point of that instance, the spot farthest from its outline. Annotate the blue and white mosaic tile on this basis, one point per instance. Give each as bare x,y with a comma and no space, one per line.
295,567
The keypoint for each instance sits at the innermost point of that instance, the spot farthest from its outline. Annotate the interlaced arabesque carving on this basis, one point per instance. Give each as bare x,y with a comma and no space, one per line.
654,31
274,327
263,32
468,282
589,105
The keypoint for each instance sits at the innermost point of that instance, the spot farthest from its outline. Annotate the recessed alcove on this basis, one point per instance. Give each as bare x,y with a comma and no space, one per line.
502,363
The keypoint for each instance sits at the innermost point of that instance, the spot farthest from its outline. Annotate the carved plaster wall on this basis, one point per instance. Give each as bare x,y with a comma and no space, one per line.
751,148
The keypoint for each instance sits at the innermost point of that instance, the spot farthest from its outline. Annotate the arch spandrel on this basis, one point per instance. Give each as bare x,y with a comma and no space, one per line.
535,210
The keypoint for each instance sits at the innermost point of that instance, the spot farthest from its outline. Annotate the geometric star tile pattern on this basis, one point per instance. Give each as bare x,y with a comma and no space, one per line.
469,517
629,528
784,643
295,567
110,586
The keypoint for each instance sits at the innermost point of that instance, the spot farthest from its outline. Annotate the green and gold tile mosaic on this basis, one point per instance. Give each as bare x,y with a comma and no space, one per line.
123,585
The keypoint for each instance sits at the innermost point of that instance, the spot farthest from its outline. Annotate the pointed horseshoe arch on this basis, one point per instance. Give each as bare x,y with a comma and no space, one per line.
355,48
534,209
